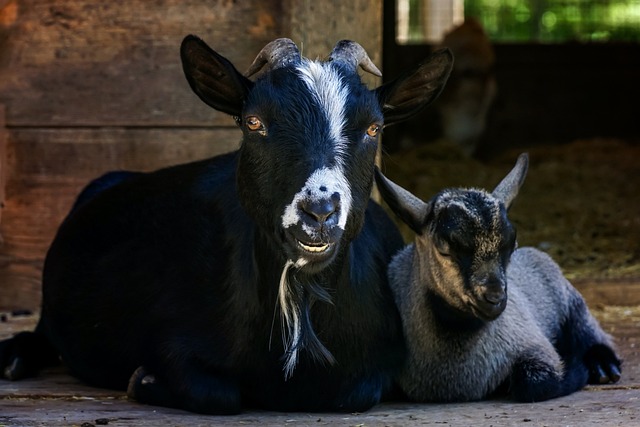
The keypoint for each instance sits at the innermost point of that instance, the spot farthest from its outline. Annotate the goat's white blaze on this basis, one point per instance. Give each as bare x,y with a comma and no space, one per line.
322,183
327,87
330,92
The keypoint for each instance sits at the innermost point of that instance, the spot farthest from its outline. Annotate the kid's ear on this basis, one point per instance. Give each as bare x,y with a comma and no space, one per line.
507,190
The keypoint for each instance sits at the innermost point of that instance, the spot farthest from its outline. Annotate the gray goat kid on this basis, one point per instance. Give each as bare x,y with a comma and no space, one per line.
465,342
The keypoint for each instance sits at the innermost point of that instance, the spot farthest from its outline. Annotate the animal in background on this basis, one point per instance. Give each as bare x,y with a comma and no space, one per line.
256,278
460,114
469,95
480,315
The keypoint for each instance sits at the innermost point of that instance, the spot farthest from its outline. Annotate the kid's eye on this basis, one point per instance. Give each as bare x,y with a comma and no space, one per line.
443,248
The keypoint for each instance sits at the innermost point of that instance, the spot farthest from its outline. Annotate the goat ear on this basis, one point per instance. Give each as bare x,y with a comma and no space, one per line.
212,77
408,94
408,207
508,188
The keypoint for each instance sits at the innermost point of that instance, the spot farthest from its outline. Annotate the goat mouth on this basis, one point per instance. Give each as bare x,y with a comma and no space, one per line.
314,248
315,252
486,311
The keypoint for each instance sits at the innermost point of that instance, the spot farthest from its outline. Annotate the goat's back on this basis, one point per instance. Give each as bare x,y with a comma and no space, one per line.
543,286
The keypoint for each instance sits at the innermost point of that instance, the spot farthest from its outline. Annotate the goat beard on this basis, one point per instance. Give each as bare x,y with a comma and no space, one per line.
295,301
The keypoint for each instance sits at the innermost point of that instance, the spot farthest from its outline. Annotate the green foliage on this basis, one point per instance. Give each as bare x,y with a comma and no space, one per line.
552,21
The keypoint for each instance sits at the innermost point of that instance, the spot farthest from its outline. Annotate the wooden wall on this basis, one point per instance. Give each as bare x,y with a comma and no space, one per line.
3,161
90,86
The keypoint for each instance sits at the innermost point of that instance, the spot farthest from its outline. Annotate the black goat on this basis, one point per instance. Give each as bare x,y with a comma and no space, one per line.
179,274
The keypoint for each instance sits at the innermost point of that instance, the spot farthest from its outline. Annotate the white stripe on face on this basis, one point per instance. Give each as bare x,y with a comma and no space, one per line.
321,185
326,86
324,82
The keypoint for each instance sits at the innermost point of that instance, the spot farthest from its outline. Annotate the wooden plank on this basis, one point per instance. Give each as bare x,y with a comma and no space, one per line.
56,399
82,62
317,26
84,153
3,160
588,408
91,63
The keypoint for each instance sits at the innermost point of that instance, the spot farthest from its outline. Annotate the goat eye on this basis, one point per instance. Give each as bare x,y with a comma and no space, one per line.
254,124
373,130
443,248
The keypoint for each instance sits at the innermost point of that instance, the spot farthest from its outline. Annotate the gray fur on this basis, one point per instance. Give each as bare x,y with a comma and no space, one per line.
464,255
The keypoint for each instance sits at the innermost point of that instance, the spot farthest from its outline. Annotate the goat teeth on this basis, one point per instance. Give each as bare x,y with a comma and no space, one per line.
315,248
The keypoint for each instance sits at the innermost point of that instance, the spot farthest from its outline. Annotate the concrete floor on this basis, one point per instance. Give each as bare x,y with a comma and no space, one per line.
56,399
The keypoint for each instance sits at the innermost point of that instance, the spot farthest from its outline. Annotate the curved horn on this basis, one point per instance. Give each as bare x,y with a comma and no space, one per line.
277,53
352,53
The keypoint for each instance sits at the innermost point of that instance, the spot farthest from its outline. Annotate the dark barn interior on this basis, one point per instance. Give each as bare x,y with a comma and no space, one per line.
89,86
571,106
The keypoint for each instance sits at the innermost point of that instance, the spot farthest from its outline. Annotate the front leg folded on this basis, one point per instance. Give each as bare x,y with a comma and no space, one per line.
189,389
362,394
538,374
25,354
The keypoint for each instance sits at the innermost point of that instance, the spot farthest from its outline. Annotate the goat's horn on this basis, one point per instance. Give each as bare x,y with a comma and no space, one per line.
352,53
277,53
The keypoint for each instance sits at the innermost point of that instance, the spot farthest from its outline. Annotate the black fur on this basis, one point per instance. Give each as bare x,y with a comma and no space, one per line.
166,283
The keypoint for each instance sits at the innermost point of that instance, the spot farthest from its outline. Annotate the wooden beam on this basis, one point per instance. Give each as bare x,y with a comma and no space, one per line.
3,161
117,63
317,26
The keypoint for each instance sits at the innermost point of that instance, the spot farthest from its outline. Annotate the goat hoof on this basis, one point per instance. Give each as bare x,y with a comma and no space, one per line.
603,365
139,378
604,374
15,370
614,373
599,376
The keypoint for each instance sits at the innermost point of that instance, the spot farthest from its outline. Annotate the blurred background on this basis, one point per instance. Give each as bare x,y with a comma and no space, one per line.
527,71
88,86
557,78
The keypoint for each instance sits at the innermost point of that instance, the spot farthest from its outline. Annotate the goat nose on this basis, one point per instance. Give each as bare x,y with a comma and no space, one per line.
322,211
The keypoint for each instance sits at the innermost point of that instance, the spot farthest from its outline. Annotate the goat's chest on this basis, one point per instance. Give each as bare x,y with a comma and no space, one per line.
454,365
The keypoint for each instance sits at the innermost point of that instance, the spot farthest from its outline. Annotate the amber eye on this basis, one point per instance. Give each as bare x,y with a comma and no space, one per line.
373,130
254,124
